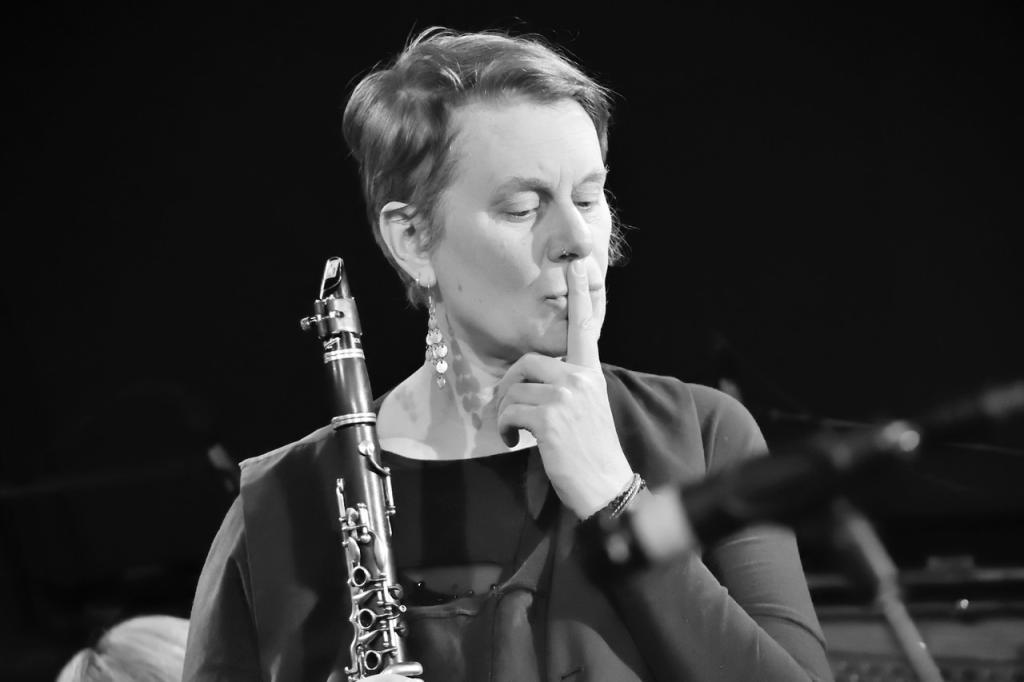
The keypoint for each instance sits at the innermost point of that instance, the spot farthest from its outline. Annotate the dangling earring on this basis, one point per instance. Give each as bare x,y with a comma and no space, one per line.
437,350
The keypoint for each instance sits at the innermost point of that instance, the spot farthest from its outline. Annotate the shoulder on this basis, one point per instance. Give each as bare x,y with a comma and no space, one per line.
715,406
660,393
229,542
305,448
669,391
727,431
657,425
225,573
653,392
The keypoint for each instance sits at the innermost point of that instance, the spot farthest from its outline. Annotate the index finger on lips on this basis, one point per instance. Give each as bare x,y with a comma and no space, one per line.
581,345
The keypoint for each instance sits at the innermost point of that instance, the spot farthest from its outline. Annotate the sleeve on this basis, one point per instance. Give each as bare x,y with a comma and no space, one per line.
222,643
744,612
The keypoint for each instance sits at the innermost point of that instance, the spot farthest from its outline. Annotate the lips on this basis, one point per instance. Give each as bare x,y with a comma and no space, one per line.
563,295
559,301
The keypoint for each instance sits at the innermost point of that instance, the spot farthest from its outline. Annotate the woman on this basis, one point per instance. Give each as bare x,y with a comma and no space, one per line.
483,163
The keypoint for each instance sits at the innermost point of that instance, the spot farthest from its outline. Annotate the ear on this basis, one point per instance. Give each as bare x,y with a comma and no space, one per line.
402,231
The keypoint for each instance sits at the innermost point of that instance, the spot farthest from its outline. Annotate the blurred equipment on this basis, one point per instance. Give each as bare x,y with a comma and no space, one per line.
952,521
785,486
857,543
788,485
953,524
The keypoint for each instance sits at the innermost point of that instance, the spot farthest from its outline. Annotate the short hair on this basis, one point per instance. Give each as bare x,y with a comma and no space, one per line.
397,120
142,649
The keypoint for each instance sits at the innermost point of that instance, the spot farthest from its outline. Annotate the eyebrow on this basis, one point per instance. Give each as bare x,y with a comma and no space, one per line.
518,182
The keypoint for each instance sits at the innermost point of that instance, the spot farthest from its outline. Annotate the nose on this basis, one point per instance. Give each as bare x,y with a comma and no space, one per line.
572,236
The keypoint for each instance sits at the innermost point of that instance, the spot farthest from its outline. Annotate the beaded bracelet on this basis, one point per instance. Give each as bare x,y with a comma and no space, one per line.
619,504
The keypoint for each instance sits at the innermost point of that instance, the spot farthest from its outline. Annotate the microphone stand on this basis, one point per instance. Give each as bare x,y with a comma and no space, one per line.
868,562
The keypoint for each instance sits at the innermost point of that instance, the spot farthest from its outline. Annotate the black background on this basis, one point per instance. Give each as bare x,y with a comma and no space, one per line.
826,204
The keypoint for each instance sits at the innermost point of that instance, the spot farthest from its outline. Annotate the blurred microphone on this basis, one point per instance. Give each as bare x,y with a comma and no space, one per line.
781,487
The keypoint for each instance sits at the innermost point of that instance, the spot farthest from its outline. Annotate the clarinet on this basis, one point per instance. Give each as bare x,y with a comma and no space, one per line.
364,495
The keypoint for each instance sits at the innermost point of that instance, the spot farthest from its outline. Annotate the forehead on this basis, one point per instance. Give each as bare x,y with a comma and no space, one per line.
496,140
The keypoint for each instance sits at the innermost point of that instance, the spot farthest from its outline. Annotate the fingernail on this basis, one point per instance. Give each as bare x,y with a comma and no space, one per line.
578,268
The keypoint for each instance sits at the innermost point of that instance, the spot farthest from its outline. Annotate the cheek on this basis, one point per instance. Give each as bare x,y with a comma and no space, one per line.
602,240
487,266
514,264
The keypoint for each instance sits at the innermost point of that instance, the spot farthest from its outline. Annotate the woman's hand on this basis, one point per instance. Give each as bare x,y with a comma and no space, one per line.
565,406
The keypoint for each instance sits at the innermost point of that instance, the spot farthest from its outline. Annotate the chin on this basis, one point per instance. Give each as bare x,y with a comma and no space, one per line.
553,341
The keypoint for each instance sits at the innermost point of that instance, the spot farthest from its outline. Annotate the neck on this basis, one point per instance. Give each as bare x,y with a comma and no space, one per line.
470,382
463,419
459,420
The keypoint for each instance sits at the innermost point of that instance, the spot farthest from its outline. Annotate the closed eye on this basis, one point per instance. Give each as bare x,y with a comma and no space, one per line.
588,204
521,215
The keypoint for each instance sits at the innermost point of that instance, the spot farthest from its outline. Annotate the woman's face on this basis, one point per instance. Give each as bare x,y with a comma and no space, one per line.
528,188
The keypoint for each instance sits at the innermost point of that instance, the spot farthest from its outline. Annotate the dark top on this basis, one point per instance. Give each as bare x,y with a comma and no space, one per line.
480,502
481,505
271,600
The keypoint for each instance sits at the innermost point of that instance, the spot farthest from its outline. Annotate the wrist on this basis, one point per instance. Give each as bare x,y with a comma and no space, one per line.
587,490
621,501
